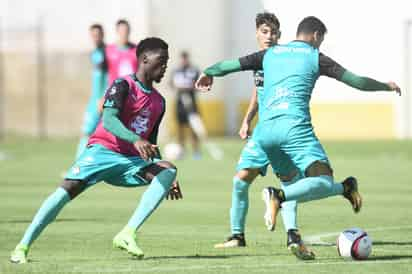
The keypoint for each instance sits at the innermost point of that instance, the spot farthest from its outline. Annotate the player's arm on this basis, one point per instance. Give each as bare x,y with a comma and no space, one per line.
112,107
252,109
250,62
330,68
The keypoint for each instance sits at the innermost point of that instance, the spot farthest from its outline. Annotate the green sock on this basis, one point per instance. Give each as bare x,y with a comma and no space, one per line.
240,205
45,215
289,208
152,197
312,188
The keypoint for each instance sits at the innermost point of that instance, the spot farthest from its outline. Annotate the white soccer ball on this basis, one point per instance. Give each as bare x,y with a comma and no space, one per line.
354,243
173,152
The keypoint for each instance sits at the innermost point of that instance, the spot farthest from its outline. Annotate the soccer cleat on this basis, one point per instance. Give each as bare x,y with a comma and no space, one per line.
236,240
272,202
350,192
297,247
19,254
126,240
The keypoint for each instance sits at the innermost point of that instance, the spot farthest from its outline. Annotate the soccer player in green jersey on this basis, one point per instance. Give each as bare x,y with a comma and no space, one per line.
253,161
285,128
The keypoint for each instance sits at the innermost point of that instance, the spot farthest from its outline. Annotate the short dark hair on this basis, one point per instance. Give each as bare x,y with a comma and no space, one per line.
311,24
96,26
150,44
184,54
267,18
122,22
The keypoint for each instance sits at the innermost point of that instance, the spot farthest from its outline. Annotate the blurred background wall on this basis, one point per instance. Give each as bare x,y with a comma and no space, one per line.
45,69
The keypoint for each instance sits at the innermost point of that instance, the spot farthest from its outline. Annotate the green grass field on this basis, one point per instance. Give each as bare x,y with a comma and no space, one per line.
179,237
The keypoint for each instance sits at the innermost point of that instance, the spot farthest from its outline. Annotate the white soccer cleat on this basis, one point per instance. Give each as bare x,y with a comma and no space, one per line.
272,207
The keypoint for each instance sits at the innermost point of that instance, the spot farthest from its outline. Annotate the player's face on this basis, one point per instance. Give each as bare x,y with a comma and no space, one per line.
156,64
267,36
123,33
97,36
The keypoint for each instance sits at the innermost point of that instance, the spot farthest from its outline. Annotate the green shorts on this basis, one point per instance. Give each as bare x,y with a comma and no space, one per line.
254,157
98,163
293,138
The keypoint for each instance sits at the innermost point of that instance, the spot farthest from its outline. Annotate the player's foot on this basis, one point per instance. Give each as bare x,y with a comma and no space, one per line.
19,254
350,192
297,247
126,240
272,202
236,240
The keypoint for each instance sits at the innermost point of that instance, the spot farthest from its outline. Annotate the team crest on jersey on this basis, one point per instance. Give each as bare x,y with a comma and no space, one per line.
140,124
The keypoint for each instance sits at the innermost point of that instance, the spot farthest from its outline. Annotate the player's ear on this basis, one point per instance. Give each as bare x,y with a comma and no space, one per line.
144,58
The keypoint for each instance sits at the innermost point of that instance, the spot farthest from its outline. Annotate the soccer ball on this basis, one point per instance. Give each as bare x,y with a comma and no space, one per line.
354,243
173,152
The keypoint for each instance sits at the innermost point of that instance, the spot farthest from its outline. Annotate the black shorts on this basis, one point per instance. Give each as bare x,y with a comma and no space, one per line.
186,104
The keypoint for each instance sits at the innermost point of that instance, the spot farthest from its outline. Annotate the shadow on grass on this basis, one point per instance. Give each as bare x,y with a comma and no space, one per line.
200,257
391,243
390,258
63,220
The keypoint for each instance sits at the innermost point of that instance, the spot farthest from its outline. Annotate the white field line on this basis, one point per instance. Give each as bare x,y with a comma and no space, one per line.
317,238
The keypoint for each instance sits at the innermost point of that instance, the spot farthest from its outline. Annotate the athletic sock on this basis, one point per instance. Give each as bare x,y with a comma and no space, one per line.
312,188
152,197
289,208
240,205
45,215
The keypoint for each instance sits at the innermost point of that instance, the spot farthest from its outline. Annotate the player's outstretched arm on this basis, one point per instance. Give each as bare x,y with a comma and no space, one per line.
368,84
244,131
330,68
250,62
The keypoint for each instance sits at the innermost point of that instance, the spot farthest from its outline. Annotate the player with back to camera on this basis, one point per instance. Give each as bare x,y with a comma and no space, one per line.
253,160
99,84
122,151
285,128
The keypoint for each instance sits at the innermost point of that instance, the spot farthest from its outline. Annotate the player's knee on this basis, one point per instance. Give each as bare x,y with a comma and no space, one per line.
73,187
289,177
248,175
166,165
319,168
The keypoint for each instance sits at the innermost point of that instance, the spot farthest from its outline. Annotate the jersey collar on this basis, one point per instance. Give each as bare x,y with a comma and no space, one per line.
140,84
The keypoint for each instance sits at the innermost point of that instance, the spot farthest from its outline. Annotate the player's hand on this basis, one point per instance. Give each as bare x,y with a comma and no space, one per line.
244,131
395,87
174,193
146,150
204,83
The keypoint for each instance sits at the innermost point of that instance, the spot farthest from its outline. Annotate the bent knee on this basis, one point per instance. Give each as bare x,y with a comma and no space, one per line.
248,174
166,165
73,187
319,168
289,177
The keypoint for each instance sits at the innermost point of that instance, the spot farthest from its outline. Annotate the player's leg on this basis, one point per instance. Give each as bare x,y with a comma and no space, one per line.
305,150
161,176
252,162
195,144
240,205
88,169
47,212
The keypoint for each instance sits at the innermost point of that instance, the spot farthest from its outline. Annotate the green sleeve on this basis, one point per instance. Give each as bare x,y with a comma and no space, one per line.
112,123
223,68
363,83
